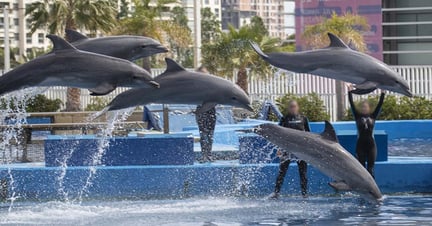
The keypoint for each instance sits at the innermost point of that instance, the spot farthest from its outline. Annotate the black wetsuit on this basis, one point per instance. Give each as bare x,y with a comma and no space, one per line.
206,125
297,122
366,149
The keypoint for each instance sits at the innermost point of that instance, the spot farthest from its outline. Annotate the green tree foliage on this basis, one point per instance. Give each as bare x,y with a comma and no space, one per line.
210,26
97,103
231,51
149,19
39,103
311,106
58,15
13,60
184,55
395,108
124,9
348,27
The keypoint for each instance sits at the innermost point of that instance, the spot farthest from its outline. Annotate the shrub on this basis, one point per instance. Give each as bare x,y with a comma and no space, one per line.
402,108
38,103
311,106
97,103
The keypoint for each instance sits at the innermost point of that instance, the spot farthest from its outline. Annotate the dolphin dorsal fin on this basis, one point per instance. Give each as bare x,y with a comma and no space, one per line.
59,43
172,66
329,132
74,36
335,41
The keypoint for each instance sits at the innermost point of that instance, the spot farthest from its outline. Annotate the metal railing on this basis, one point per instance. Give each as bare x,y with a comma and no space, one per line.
419,79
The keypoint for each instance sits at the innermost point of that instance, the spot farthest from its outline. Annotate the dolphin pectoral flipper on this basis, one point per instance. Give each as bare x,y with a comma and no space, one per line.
258,50
363,91
205,107
102,89
364,88
74,36
339,186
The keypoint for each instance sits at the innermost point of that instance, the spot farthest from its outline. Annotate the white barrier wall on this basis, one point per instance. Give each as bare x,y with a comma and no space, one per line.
272,87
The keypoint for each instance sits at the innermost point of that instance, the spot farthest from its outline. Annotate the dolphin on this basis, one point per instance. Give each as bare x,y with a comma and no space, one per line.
125,46
179,86
325,153
338,61
67,66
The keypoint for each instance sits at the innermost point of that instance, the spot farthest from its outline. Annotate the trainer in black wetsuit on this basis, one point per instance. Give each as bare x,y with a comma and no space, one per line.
366,149
296,121
206,125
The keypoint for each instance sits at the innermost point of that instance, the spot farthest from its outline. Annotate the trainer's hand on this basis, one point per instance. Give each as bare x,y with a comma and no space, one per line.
350,86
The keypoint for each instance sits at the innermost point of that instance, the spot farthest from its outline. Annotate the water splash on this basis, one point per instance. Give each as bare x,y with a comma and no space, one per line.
63,171
106,134
12,119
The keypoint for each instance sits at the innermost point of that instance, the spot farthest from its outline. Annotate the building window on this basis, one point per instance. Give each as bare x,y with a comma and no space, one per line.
207,2
16,36
41,38
29,38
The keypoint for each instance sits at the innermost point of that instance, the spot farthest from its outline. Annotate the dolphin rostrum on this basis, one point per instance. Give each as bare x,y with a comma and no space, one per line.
338,61
125,46
325,153
179,86
67,66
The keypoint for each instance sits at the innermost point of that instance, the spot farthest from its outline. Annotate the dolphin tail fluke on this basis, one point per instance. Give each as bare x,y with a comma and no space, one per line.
258,50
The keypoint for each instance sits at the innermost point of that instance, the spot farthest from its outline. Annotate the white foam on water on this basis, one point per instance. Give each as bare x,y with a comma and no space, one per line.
223,211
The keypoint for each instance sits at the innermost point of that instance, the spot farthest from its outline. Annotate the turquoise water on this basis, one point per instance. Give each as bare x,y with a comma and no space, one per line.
396,210
410,147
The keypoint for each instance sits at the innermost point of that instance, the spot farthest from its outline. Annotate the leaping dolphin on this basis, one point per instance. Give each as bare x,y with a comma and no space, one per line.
67,66
179,86
125,46
338,61
325,153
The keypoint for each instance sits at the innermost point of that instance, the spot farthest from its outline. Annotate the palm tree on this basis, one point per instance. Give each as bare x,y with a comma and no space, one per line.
58,15
349,28
231,51
154,19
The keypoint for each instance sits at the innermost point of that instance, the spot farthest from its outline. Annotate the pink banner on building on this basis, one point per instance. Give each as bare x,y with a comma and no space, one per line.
310,12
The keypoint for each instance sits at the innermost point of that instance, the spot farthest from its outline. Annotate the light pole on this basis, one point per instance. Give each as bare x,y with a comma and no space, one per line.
6,39
197,33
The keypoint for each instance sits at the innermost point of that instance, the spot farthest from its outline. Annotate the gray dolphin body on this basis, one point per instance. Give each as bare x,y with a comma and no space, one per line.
325,153
67,66
125,46
340,62
179,86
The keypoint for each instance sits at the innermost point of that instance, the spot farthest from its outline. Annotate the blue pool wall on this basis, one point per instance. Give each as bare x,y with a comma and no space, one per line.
396,129
153,149
113,182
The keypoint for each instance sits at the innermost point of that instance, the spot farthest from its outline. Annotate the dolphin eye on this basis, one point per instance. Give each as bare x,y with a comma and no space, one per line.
233,98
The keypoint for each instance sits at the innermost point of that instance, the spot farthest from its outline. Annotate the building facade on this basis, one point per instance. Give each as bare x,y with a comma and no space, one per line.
19,31
239,12
407,32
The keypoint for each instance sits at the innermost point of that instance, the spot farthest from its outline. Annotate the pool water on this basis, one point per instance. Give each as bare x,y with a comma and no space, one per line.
410,147
396,210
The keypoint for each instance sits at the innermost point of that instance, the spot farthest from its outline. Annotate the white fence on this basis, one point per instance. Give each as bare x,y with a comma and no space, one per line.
419,79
